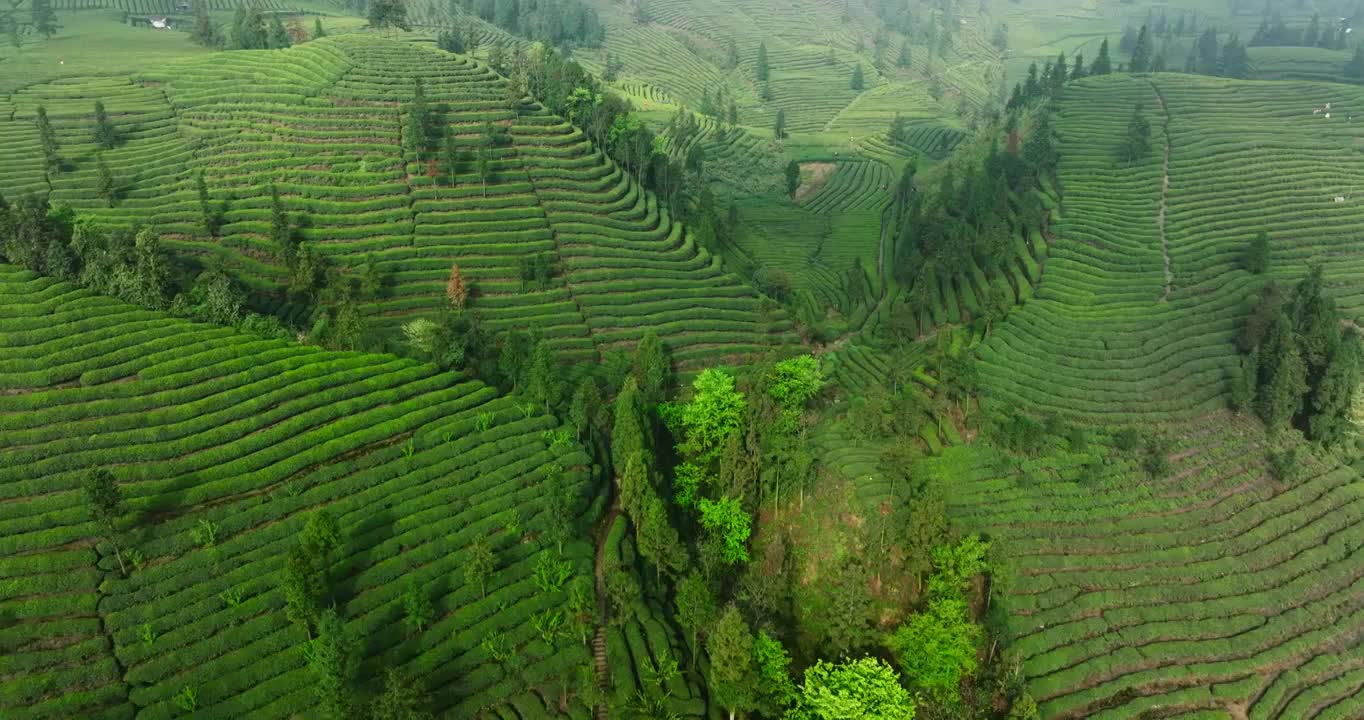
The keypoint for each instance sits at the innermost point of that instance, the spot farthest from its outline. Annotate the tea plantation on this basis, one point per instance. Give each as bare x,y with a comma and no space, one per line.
224,445
1110,335
1210,591
325,129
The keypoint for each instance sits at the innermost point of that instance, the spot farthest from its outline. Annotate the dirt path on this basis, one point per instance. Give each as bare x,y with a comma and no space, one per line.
599,575
1164,194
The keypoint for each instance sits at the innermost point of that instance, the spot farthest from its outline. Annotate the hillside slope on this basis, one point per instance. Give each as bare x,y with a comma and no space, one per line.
1213,591
224,445
324,122
1144,289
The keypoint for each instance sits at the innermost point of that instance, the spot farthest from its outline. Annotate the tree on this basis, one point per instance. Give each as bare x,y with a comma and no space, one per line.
1141,52
779,126
1283,374
388,14
248,28
732,676
1257,253
1078,70
544,384
651,369
585,410
792,177
1102,65
857,79
771,663
318,32
1235,61
302,584
104,502
484,167
334,659
277,37
401,699
479,564
152,270
281,232
1331,399
1059,76
44,20
936,648
763,70
729,525
657,539
1138,139
456,289
418,126
696,608
320,535
715,411
106,135
47,138
450,41
906,57
418,610
106,187
1354,69
868,689
208,217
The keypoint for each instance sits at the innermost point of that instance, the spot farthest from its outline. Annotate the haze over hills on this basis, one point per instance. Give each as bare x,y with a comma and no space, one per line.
519,359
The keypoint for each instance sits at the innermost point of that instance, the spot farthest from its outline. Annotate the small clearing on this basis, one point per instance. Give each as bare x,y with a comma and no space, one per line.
813,175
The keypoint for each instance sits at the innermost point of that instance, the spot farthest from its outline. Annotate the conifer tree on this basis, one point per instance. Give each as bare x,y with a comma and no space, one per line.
277,37
106,136
1354,69
318,32
1141,52
1078,71
206,32
104,502
763,69
779,127
106,187
1102,65
44,20
1138,139
47,138
857,80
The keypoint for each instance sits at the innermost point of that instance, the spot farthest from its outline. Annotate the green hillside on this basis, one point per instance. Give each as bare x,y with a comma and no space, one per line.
1211,591
224,445
323,123
1109,334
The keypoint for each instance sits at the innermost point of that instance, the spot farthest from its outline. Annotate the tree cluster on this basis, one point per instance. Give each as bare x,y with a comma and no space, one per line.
566,23
251,30
1301,366
1274,32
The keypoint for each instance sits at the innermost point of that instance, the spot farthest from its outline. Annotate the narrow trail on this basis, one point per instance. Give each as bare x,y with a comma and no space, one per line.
1164,195
599,659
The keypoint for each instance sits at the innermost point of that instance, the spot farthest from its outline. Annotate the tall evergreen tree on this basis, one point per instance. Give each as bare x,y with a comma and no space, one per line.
1137,141
1235,62
1354,69
44,20
1141,52
106,135
318,32
104,502
857,82
1059,75
779,127
1102,65
106,186
47,139
763,69
277,38
206,32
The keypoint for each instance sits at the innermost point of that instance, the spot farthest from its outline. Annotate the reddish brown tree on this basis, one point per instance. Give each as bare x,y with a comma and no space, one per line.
456,289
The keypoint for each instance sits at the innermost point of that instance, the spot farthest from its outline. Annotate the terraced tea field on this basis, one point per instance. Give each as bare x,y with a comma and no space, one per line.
204,427
1211,592
1109,334
325,128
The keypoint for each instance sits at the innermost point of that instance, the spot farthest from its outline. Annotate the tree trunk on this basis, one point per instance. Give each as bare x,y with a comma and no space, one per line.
119,555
